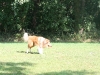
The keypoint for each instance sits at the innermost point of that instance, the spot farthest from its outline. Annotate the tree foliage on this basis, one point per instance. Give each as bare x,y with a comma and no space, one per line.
50,17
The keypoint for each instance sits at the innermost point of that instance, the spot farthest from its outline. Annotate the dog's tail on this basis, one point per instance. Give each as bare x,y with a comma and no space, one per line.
25,37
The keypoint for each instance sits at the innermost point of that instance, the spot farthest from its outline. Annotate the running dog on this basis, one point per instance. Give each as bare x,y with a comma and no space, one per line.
39,41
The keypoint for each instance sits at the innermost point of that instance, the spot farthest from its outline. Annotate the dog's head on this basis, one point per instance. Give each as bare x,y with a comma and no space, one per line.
46,43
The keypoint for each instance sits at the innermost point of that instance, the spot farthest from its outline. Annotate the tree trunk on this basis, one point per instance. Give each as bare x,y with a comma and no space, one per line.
77,12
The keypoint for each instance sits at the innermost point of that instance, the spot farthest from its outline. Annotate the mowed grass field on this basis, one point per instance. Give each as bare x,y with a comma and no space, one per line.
61,59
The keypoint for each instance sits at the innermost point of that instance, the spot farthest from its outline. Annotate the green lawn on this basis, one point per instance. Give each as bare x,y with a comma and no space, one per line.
61,59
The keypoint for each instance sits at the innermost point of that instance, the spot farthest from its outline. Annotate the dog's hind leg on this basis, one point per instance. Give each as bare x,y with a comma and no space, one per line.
30,45
28,50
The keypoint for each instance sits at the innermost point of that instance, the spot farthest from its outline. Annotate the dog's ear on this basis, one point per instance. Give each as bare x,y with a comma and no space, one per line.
45,41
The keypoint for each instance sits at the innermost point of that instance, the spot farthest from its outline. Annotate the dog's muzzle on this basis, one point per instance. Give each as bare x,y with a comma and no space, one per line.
49,45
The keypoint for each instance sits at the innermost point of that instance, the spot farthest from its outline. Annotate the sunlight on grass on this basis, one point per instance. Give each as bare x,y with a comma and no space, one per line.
61,59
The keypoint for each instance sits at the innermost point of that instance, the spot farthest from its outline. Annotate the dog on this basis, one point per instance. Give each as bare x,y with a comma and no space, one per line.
39,41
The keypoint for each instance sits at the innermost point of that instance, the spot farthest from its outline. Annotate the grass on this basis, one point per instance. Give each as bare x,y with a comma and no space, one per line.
61,59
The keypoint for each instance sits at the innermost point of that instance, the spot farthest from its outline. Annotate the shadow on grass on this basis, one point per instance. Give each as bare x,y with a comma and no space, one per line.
28,53
69,72
9,68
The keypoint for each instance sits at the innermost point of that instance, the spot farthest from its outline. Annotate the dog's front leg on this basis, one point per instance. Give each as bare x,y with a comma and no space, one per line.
40,50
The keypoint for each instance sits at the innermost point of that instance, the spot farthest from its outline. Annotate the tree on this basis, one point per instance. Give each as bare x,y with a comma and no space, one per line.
50,17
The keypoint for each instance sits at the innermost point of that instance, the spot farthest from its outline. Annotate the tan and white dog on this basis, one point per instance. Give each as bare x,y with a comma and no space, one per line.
39,41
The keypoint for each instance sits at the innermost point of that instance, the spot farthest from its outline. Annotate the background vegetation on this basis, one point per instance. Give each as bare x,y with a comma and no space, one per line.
56,19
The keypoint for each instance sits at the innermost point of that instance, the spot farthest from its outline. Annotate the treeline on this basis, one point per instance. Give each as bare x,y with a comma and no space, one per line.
60,18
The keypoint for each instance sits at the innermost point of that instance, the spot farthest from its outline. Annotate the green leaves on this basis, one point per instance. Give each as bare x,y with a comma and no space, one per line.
49,16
